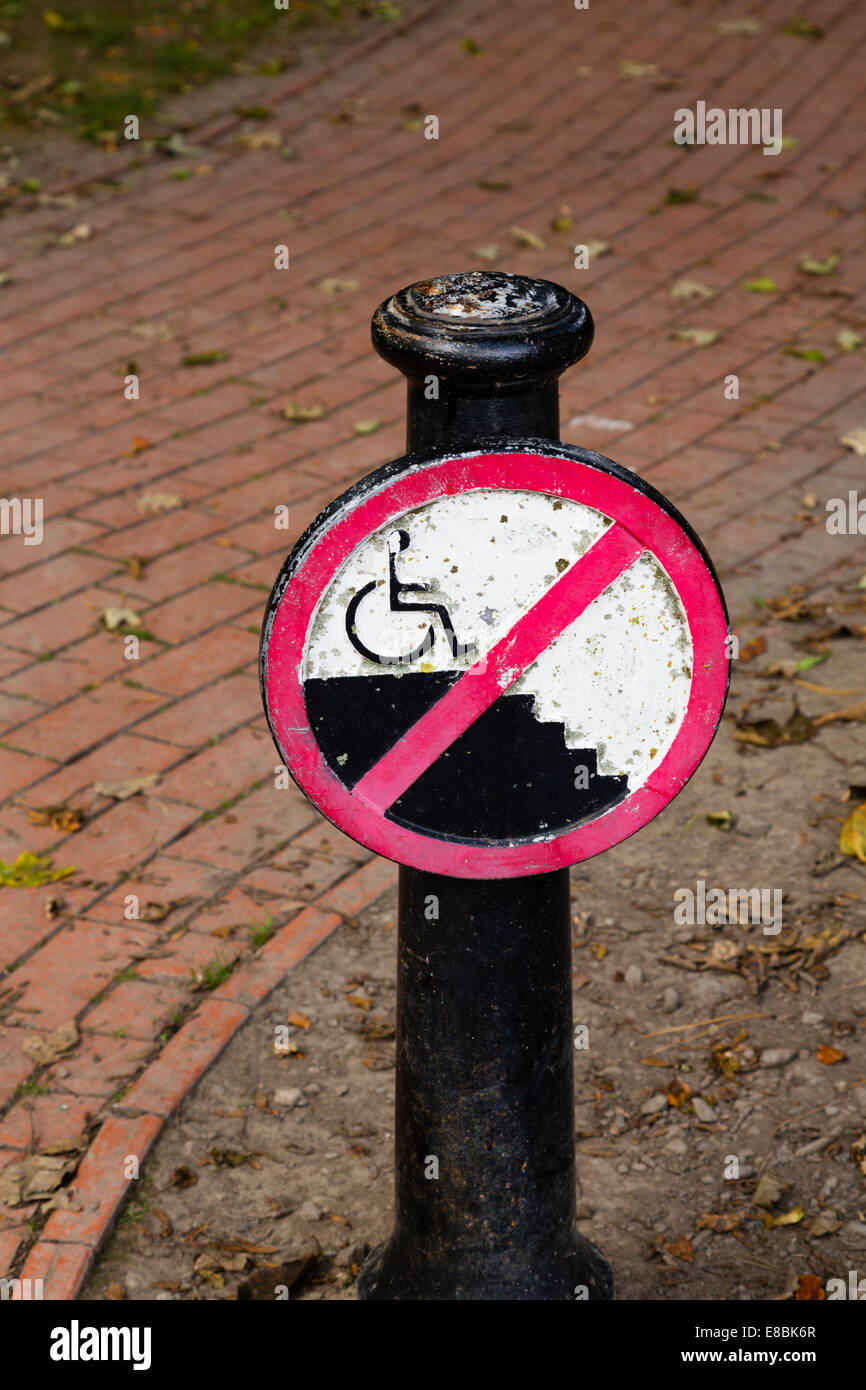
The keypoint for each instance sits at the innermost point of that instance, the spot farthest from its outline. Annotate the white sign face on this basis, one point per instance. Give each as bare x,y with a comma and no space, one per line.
495,664
617,677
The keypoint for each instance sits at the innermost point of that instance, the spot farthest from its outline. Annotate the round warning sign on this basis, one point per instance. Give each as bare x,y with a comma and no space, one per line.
495,664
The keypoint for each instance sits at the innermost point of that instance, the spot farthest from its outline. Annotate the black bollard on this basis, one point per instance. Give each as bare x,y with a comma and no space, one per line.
604,627
484,1069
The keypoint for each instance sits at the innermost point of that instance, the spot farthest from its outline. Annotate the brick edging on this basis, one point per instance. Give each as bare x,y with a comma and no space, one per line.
63,1254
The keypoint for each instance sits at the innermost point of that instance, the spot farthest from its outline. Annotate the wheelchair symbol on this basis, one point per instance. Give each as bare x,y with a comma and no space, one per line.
398,541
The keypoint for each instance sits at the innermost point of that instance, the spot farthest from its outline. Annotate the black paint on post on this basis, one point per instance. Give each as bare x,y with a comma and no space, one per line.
485,1089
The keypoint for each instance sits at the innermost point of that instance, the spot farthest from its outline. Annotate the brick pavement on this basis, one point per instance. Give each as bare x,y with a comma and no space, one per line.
552,111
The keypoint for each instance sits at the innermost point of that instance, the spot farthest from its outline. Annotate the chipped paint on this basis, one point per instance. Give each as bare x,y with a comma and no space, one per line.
616,677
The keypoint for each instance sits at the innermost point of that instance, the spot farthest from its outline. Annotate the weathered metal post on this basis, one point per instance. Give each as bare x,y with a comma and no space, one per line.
484,1080
488,660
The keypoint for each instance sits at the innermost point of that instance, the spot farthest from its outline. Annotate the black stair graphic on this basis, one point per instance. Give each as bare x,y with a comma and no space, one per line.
508,777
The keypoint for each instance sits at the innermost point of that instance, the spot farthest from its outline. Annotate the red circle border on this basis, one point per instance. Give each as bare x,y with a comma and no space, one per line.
568,478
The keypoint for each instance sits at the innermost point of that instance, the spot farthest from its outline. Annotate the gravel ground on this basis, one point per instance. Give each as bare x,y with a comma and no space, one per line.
719,1058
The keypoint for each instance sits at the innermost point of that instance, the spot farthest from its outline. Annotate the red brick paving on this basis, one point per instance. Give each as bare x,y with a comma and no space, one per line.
174,267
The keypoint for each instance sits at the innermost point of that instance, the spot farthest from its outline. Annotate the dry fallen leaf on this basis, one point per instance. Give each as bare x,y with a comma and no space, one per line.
691,289
122,791
745,28
45,1050
377,1030
753,648
183,1177
810,1287
682,1249
852,839
788,1218
629,68
701,337
720,1222
158,502
65,818
301,414
61,1200
34,1178
810,266
769,1190
526,238
81,232
830,1055
138,446
332,284
678,1092
596,249
259,140
299,1020
851,714
848,340
768,733
824,1224
113,618
856,441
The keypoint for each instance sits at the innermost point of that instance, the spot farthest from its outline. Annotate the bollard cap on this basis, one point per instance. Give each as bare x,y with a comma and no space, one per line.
484,328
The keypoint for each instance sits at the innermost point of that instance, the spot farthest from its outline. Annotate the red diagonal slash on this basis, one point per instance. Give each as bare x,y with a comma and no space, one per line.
480,686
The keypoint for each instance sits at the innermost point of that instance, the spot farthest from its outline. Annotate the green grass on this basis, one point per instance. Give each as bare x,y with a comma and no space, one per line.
31,1088
212,975
88,64
261,932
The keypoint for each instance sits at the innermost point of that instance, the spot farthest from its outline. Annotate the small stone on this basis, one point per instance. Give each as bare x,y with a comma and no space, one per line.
752,825
634,976
676,1145
308,1211
704,1112
313,1089
853,1234
654,1106
671,1000
343,1090
811,1019
777,1056
351,1255
290,1098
